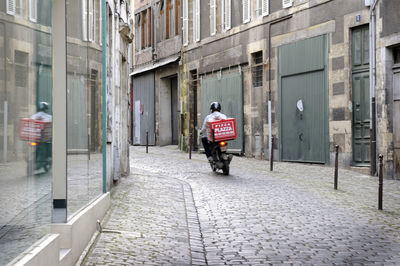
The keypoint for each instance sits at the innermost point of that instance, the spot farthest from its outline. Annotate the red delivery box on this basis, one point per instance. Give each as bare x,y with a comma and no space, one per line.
34,130
224,129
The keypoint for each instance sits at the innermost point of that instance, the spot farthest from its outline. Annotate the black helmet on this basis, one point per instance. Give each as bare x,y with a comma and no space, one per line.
43,106
215,106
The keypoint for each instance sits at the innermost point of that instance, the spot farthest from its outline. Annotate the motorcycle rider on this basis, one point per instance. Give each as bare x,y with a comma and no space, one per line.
42,114
43,151
216,114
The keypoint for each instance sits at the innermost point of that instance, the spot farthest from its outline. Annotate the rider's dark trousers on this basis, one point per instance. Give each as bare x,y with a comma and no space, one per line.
207,146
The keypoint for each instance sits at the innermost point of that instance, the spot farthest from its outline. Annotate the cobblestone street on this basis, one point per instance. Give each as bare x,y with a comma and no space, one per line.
172,210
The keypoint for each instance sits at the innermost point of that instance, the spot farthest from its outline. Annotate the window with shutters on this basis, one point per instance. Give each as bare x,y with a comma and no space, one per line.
246,10
33,10
226,14
185,15
213,17
257,69
196,20
15,7
287,3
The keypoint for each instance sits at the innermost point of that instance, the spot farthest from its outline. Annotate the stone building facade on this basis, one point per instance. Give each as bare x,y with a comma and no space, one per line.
254,38
156,92
119,40
295,71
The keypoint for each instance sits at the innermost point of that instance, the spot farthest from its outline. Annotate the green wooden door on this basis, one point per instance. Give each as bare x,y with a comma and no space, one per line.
361,118
303,101
360,96
226,89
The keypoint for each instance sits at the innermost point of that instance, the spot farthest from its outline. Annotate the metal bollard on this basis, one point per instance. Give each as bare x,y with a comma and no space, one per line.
190,146
271,157
380,196
336,166
147,141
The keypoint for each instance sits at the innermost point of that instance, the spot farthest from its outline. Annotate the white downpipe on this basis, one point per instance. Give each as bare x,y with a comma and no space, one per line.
372,88
271,150
372,67
5,131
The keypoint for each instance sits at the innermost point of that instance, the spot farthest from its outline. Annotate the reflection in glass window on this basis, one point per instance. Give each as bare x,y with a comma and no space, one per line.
25,125
84,101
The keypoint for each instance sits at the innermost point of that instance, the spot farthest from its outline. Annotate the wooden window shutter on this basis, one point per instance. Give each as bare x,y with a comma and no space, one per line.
213,17
84,20
149,27
11,7
265,8
167,18
246,10
196,20
177,8
144,30
185,22
91,24
227,14
287,3
33,10
100,22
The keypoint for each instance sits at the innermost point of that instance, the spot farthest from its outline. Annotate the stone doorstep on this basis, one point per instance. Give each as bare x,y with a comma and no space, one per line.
53,249
360,169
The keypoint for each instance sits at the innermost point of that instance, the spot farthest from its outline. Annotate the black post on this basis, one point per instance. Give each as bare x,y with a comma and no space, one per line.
373,138
271,157
380,196
190,146
336,166
147,141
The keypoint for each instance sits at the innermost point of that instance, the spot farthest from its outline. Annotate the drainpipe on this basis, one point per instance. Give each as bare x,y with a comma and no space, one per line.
5,119
372,73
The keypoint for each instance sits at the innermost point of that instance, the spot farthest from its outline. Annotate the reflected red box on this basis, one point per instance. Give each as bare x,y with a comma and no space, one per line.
223,130
34,130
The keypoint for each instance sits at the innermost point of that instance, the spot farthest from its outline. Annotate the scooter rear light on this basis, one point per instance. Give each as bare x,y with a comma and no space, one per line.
222,143
33,144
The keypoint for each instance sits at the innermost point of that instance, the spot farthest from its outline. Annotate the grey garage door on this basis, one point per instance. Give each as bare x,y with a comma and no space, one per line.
143,109
303,101
226,89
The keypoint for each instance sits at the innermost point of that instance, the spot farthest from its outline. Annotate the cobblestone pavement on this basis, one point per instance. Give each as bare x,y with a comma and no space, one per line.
173,210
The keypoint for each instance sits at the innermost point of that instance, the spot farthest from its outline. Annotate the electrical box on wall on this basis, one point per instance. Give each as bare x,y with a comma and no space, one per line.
368,2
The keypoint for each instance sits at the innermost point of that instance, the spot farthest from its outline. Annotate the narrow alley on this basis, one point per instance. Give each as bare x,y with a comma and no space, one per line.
172,210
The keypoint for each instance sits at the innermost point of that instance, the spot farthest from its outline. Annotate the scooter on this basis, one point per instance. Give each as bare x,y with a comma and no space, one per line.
221,159
38,157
